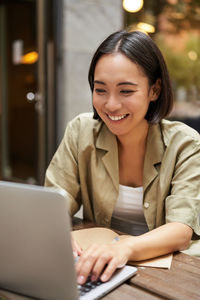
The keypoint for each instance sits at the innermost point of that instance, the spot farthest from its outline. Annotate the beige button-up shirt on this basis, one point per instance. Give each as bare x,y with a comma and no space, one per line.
86,166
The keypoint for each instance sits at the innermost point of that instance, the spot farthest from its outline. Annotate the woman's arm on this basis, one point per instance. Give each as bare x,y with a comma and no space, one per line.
162,240
103,260
62,171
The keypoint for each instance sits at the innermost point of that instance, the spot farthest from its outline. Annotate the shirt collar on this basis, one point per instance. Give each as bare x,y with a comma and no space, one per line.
153,155
108,142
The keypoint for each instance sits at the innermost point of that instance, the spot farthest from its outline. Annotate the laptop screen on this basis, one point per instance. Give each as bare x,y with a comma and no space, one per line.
35,244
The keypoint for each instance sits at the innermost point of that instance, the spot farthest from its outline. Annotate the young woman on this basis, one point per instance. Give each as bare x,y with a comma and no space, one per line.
126,164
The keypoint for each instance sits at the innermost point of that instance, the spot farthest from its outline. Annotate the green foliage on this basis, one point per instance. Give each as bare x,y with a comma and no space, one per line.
183,70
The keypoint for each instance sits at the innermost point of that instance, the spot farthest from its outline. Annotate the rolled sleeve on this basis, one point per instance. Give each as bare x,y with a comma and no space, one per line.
183,204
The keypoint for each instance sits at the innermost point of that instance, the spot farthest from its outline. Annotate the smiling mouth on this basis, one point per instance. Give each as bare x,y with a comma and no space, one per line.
117,118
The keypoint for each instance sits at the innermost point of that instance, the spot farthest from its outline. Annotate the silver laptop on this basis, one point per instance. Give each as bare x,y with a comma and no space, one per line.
36,257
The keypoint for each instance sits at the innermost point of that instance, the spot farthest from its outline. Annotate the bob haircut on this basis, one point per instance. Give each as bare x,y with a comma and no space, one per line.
140,49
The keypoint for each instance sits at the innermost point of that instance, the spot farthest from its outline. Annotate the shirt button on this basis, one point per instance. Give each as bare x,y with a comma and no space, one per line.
146,204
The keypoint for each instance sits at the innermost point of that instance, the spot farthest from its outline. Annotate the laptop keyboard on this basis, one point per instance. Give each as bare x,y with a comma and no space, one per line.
88,286
93,290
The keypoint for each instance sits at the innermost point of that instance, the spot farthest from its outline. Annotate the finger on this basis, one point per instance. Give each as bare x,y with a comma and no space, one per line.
85,266
121,265
99,266
110,269
77,250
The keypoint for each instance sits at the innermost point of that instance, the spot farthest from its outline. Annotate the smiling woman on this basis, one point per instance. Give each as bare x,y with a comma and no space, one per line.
122,95
129,167
141,50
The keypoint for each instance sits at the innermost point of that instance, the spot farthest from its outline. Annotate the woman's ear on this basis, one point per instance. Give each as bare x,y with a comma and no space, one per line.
155,90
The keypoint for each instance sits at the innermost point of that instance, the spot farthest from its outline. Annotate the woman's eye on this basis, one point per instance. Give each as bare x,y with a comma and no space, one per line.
100,91
126,92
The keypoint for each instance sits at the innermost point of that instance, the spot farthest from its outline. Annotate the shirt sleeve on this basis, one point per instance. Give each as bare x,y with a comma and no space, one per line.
63,169
183,204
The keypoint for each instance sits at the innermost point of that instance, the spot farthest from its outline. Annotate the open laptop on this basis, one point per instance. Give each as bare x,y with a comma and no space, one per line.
36,257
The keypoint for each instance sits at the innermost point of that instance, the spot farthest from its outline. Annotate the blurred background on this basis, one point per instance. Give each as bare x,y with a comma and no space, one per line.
45,50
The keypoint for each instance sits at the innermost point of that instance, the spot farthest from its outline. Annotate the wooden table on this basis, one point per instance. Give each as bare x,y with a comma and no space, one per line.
181,282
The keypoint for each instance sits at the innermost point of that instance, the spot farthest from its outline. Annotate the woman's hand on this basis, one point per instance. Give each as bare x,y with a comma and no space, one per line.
77,251
101,261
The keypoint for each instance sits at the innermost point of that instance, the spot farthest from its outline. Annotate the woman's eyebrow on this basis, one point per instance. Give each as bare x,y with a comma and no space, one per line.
126,83
99,82
120,83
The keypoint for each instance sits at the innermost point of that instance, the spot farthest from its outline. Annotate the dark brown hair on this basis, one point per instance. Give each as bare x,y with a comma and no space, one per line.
142,50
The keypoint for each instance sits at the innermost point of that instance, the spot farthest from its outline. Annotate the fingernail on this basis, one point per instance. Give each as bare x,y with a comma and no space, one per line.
104,277
120,266
81,279
75,254
93,277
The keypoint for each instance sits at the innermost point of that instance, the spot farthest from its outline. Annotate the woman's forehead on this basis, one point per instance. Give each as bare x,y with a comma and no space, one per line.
117,65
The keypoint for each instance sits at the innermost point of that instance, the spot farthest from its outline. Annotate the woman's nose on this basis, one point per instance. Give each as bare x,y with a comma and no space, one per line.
112,104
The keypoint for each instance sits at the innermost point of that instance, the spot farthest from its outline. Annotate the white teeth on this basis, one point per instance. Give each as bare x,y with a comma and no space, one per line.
117,118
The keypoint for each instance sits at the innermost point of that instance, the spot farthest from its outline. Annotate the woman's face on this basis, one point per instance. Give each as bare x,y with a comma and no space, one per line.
121,94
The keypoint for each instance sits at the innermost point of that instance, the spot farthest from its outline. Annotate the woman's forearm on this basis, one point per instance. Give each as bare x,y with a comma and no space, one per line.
162,240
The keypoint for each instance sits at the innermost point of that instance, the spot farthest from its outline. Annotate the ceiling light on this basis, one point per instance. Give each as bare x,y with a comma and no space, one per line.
192,55
132,5
29,58
146,27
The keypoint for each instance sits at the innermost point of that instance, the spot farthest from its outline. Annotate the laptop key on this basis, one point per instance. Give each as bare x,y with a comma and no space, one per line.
88,286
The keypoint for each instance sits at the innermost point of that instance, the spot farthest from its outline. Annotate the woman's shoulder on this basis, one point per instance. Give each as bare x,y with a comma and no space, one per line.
84,122
173,128
179,132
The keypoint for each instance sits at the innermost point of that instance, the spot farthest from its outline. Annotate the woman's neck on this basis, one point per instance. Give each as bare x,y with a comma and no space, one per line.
131,154
134,139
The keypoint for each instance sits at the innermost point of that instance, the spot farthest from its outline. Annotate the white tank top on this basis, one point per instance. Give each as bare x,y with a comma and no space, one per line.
128,215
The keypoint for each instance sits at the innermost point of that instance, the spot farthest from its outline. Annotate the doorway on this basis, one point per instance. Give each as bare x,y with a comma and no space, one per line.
27,89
